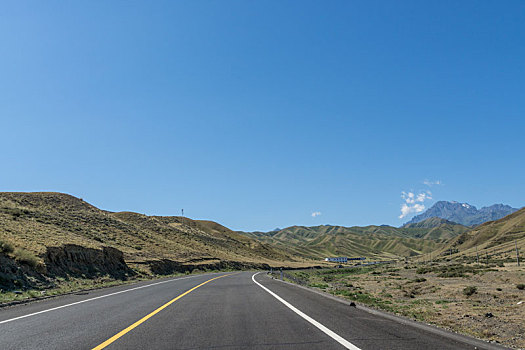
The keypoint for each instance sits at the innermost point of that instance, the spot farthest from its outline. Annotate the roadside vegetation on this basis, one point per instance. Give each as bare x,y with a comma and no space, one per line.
486,301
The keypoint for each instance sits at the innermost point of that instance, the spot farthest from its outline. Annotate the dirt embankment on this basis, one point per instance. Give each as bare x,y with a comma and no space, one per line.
66,261
78,261
74,261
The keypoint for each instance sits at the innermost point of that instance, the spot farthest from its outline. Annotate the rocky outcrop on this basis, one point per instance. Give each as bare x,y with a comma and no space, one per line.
78,261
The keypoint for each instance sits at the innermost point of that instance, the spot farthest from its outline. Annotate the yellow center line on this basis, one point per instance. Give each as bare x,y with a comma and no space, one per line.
147,317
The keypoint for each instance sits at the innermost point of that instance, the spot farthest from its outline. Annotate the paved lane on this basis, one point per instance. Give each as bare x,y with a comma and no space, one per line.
84,326
231,312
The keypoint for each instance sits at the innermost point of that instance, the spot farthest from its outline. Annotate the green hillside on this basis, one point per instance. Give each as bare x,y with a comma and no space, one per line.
377,242
430,223
438,228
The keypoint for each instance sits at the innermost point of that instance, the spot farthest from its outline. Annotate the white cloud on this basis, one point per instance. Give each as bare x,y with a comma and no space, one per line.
432,183
413,203
316,213
406,209
423,196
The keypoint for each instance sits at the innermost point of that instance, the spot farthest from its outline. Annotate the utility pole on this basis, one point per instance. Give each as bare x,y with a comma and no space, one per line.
182,216
517,253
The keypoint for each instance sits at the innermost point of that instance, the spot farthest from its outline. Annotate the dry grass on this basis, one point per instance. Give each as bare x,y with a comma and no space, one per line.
488,309
30,222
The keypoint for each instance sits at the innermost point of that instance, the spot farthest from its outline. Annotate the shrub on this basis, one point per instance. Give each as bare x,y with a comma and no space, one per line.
451,274
423,270
458,270
468,291
25,257
6,247
520,286
328,278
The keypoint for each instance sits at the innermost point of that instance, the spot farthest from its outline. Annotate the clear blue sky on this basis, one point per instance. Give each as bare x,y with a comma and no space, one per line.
257,114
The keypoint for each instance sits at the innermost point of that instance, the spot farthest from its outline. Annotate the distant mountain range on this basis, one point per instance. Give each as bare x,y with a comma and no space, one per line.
432,234
463,213
376,242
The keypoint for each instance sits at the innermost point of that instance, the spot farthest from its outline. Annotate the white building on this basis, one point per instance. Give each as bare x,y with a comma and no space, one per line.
340,259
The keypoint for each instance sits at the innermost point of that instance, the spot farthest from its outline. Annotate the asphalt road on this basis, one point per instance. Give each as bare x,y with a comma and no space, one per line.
211,311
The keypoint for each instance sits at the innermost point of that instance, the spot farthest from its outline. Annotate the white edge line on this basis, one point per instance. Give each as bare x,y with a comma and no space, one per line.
427,327
95,298
323,328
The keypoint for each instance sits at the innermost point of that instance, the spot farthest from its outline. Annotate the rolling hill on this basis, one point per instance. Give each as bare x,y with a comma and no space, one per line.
495,237
375,242
438,228
59,233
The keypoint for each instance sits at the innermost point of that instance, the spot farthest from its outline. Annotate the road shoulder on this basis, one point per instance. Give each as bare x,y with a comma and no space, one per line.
476,343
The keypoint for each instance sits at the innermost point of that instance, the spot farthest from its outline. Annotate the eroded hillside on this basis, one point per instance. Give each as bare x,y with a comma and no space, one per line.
47,233
374,242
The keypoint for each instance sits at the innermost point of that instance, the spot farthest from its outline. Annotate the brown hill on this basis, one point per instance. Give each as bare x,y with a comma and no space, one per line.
494,237
36,221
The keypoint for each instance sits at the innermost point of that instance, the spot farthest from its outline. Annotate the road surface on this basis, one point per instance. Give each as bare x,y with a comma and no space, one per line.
211,311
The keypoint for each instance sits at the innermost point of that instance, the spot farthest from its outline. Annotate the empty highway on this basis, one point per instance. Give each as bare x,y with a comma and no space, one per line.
240,310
